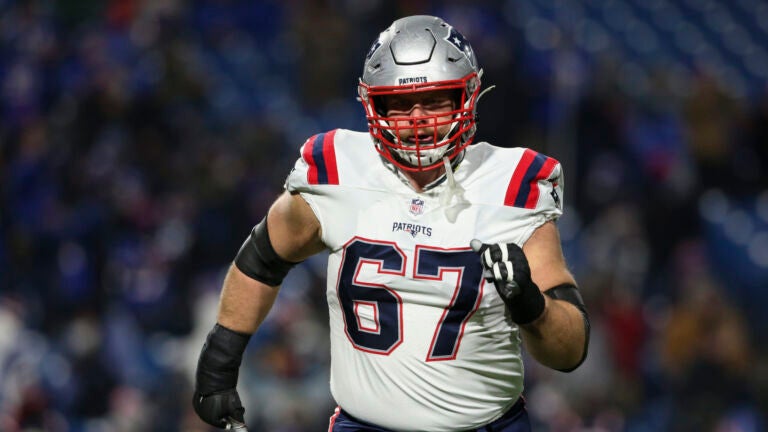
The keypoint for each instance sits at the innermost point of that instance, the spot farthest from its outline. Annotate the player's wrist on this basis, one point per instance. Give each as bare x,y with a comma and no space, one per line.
219,363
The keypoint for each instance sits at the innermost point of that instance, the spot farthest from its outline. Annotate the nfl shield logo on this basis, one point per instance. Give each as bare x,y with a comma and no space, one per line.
417,206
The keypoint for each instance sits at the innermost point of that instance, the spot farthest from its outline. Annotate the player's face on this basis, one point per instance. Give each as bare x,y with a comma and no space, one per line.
424,117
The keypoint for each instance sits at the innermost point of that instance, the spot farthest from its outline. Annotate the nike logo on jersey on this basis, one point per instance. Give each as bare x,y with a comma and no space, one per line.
412,229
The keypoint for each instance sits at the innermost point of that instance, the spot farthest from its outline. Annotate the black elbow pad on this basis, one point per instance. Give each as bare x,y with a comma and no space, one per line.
258,259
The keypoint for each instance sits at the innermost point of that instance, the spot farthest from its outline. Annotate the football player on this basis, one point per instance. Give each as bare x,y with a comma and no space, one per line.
444,257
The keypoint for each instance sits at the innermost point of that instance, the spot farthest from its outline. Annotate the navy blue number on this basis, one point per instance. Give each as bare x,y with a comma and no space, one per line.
432,264
384,332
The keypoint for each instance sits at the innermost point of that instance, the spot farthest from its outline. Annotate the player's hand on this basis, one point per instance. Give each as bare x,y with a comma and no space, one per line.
218,408
507,267
215,399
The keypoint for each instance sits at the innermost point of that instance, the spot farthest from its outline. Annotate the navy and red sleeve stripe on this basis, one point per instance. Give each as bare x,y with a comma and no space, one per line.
523,190
320,155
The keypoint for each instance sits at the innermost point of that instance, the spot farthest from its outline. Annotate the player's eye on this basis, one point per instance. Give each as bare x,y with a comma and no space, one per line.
403,106
399,105
437,104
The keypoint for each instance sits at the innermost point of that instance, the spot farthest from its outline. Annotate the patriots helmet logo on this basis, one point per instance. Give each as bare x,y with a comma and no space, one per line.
458,40
373,49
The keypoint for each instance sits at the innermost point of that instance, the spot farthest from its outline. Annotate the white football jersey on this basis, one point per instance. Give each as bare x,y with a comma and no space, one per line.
419,341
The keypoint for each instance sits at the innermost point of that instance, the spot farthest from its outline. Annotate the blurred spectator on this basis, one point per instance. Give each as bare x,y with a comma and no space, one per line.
706,354
711,118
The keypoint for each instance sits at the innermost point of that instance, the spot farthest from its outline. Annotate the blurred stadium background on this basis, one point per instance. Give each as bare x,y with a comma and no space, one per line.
140,141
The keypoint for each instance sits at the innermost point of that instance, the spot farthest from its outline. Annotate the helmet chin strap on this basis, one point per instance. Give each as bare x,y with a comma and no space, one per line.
452,190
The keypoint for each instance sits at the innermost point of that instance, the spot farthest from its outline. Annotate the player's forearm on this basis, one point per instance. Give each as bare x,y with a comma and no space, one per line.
244,302
557,338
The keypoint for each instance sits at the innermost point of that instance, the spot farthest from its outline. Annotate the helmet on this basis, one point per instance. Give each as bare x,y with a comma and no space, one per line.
420,54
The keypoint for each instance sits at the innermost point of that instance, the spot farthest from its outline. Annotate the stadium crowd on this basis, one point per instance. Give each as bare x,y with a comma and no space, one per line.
141,140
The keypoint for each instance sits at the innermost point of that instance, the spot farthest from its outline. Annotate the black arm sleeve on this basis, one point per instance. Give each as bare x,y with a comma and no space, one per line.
219,362
258,259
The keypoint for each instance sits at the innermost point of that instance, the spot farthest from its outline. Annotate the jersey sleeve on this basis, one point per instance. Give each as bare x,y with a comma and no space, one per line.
314,174
316,165
536,186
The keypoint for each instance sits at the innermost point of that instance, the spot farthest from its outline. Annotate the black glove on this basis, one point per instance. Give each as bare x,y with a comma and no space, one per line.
216,400
507,267
217,408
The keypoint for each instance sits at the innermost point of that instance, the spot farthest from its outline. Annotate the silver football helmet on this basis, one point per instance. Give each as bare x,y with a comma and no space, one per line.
420,54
